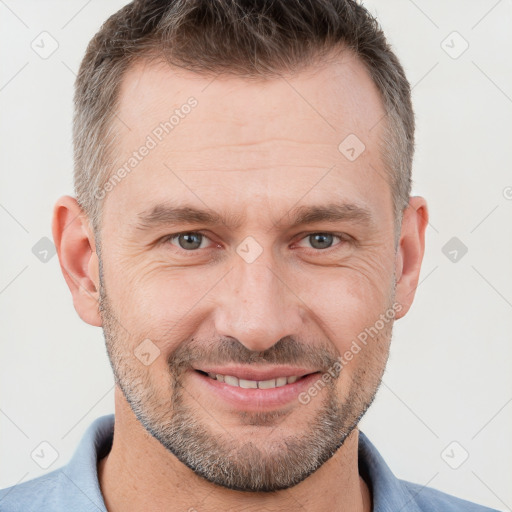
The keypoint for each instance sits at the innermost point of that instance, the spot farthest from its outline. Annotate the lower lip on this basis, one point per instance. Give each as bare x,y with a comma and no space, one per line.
256,398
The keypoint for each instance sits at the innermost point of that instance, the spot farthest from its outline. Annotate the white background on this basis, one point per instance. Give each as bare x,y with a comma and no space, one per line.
448,377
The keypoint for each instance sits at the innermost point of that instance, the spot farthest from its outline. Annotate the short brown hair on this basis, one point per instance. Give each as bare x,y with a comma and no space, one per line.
249,38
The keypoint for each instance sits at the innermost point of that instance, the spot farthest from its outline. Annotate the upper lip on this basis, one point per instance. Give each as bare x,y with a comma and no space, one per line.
252,373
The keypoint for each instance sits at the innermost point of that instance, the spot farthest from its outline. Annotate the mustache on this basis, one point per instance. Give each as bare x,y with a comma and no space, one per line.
230,351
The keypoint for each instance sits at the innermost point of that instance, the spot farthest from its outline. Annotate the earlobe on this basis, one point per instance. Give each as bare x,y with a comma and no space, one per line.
76,249
410,251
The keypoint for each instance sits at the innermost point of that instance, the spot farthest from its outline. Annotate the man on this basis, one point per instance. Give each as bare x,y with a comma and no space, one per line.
244,234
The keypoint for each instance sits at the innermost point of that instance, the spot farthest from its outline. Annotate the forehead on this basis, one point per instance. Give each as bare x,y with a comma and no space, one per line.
272,139
334,99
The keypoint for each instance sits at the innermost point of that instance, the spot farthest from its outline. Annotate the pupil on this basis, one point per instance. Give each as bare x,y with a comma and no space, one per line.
321,240
191,241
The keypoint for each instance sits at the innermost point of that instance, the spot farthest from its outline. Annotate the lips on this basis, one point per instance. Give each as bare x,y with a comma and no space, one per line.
250,398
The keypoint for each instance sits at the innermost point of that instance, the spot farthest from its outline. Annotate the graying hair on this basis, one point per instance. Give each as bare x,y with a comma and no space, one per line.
251,39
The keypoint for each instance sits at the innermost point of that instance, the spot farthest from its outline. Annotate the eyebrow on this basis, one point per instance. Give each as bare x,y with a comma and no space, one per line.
168,215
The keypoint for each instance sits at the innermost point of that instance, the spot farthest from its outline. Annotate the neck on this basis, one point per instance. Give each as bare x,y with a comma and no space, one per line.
139,474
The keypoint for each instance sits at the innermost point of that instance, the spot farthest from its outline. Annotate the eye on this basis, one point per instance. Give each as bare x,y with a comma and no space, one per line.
188,241
192,241
322,241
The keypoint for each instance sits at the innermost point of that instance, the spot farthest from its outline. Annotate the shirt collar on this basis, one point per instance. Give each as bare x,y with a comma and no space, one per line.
388,492
82,470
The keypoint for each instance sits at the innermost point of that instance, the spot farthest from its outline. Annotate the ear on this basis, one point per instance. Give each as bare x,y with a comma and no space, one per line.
409,255
76,247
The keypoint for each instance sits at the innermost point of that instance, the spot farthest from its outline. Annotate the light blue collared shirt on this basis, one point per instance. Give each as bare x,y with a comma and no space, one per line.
75,487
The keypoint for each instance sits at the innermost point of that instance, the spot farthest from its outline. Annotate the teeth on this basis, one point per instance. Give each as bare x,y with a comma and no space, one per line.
232,381
254,384
247,383
267,384
280,381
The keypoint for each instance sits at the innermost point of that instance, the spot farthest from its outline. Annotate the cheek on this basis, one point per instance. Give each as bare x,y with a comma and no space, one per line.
346,301
162,303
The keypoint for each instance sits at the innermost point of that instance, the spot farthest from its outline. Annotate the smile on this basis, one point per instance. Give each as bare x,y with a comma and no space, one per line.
230,380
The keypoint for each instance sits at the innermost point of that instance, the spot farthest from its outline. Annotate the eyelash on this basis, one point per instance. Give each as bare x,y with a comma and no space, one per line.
344,238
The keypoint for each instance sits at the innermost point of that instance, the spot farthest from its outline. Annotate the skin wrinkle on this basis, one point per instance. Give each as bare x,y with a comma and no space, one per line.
289,306
198,451
331,422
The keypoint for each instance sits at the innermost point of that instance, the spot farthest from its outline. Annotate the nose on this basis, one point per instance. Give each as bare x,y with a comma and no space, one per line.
257,306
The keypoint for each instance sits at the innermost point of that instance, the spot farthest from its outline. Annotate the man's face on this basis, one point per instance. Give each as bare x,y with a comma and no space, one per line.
253,289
